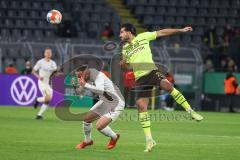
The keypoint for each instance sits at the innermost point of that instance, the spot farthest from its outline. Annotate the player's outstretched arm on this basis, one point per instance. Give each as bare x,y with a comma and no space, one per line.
171,31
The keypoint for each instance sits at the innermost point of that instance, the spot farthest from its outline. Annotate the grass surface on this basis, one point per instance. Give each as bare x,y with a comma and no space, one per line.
24,138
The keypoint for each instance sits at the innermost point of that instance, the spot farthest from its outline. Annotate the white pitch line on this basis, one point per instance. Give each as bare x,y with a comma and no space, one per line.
190,144
202,135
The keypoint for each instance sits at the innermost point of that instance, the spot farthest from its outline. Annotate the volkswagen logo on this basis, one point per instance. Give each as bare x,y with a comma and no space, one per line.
23,90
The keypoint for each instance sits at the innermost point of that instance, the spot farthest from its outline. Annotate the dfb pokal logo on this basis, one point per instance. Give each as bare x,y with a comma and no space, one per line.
23,90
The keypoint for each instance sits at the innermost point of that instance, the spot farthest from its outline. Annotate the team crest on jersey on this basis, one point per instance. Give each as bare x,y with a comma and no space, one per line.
133,48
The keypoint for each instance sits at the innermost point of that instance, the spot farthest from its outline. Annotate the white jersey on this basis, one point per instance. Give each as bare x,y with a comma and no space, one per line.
45,69
101,85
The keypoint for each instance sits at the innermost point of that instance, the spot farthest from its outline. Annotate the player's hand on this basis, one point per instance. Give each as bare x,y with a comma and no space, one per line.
73,82
187,29
81,81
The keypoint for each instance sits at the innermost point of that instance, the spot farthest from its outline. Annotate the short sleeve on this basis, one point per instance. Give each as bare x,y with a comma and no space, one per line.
54,66
148,35
37,66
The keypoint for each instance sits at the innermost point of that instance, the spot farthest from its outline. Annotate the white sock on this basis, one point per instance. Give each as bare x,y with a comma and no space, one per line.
148,138
43,109
107,131
87,127
41,99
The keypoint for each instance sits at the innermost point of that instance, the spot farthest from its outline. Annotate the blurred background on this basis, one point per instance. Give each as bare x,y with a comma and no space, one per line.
198,62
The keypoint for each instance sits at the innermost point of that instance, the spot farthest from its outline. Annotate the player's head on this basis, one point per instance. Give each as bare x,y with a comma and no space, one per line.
83,72
48,53
28,64
127,31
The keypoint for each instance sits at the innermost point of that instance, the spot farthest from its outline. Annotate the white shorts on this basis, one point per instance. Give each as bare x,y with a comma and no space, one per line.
113,115
109,110
45,89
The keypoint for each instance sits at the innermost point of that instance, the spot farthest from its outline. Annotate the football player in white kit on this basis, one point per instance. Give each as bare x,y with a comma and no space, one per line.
43,69
106,110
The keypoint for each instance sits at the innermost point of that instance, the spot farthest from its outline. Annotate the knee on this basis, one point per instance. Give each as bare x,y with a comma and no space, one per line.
166,85
99,127
142,105
170,88
47,98
87,121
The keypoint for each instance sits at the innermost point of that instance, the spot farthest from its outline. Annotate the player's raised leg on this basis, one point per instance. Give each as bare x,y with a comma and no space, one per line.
146,123
180,99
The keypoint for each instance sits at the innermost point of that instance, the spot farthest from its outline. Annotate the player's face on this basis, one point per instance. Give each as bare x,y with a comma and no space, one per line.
84,74
48,53
28,64
124,35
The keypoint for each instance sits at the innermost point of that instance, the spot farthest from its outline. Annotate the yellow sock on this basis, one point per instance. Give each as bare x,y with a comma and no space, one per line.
146,124
180,99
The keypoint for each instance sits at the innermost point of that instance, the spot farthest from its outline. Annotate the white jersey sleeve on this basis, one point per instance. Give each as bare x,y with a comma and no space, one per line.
54,66
37,66
99,85
94,89
103,86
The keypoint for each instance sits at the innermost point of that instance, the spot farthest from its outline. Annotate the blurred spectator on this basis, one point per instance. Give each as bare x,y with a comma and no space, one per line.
27,69
237,32
234,47
208,66
177,47
228,34
230,89
67,29
231,66
223,65
210,37
212,40
108,32
10,69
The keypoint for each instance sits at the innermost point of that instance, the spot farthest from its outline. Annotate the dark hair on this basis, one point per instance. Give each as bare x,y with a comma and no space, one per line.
82,67
129,27
47,48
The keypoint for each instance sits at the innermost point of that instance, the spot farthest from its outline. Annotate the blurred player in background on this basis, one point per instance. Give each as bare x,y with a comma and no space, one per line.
106,110
137,53
43,70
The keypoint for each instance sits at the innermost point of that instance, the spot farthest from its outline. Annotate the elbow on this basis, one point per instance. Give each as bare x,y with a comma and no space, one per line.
161,33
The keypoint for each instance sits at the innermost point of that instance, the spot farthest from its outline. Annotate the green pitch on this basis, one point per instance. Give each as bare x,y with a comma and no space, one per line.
24,138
